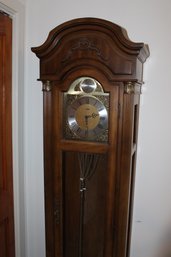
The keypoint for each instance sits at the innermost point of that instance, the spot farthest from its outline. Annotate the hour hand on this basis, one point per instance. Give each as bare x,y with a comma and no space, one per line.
86,119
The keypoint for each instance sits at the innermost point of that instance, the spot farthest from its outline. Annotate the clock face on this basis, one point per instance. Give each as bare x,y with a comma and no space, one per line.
87,117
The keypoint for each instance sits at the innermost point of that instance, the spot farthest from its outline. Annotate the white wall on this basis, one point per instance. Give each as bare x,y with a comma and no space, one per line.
146,21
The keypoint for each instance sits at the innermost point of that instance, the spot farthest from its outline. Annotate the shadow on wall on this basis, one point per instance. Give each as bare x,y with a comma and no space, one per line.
165,246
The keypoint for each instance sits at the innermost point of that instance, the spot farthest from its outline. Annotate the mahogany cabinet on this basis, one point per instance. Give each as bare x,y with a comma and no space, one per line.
92,76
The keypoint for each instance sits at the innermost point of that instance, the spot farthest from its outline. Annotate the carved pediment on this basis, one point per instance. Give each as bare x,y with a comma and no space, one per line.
97,43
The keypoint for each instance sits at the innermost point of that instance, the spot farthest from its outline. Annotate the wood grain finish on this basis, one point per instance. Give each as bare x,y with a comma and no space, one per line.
6,180
83,42
101,50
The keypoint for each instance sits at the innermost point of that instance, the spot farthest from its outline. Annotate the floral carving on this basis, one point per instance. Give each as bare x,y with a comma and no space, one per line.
84,44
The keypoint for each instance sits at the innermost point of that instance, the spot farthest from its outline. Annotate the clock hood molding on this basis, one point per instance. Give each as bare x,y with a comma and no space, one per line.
91,42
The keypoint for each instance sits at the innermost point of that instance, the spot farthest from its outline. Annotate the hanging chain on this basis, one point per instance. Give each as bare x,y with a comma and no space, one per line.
88,164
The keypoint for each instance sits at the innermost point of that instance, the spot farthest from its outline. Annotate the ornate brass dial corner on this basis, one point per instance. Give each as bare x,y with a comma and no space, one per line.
132,88
46,86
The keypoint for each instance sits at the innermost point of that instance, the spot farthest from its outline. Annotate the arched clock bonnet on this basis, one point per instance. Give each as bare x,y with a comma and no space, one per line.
95,43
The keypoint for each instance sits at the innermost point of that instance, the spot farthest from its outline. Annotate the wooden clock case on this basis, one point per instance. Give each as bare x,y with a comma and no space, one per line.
99,225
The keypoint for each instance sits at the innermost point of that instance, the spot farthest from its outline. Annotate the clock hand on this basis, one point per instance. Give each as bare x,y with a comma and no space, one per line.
93,115
87,116
86,119
86,123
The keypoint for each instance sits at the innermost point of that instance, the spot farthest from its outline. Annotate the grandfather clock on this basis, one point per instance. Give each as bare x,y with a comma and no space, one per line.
92,76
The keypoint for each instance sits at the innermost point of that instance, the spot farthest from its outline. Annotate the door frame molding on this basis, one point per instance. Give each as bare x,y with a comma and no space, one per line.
16,10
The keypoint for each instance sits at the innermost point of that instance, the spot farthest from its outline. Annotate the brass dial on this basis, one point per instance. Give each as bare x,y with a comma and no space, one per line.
87,117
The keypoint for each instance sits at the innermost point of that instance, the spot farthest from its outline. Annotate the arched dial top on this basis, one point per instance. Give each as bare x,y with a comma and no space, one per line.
86,110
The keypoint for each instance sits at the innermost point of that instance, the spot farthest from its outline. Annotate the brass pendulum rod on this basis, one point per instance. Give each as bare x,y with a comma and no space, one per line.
88,163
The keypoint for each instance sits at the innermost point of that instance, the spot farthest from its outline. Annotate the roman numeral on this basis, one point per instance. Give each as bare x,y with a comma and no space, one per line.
101,108
78,130
100,126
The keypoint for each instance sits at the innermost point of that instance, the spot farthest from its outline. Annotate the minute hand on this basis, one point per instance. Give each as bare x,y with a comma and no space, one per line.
94,115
